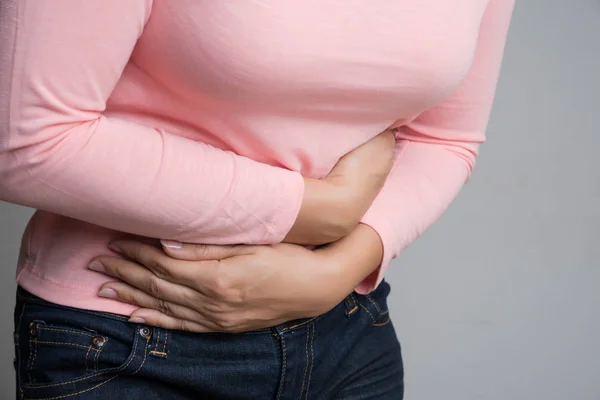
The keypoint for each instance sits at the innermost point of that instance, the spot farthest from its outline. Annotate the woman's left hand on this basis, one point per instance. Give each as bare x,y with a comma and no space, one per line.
204,288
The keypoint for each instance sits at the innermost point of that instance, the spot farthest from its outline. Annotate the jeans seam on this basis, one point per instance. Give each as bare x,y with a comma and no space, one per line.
145,357
157,338
86,358
32,356
120,369
18,345
312,356
305,365
283,367
374,303
368,312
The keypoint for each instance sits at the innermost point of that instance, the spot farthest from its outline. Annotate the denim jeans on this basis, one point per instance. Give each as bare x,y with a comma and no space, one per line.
349,353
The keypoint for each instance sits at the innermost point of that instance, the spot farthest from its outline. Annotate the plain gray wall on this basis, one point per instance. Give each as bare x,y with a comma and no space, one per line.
500,299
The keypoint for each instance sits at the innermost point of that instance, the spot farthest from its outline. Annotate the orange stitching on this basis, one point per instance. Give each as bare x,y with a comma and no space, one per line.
353,310
312,357
31,358
374,303
305,365
65,343
86,358
165,344
368,312
145,356
158,352
66,330
134,346
353,298
283,357
298,325
157,337
73,394
383,323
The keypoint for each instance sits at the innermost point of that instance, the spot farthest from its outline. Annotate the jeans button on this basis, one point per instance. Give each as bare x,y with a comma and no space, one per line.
98,341
32,330
145,332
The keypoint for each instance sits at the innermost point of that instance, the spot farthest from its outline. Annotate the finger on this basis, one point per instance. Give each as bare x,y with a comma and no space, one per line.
161,265
203,252
142,278
158,319
128,294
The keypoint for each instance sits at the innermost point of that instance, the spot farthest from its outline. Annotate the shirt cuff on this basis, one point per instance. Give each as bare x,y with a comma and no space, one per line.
381,225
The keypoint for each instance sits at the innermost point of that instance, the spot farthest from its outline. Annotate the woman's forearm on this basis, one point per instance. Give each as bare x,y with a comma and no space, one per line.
332,208
353,258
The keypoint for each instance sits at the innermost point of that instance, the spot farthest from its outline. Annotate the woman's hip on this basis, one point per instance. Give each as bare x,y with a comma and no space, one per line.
66,352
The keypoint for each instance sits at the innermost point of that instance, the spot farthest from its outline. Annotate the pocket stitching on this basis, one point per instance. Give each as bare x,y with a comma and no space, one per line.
119,369
65,343
375,304
45,328
368,312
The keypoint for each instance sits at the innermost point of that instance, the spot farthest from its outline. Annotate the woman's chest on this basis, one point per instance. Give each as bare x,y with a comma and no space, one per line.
325,58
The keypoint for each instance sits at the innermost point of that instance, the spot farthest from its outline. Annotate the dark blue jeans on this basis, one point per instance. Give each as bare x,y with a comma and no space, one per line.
348,353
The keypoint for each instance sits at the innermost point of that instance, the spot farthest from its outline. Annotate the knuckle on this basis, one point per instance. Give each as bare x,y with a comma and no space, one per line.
215,308
136,252
226,323
182,325
159,267
190,298
163,307
152,286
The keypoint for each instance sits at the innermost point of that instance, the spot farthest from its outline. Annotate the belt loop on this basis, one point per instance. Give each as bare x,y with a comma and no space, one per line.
350,304
158,342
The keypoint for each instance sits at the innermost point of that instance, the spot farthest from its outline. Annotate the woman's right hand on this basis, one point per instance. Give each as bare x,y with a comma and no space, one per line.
332,207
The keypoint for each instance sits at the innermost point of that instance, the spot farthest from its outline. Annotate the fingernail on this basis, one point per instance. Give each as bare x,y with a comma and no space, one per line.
107,293
171,244
115,248
137,320
96,266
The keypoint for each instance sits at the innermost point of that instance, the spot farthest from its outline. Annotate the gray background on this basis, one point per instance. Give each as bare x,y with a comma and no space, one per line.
499,300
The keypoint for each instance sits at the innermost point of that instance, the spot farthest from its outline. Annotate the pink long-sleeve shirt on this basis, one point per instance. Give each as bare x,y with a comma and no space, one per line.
195,120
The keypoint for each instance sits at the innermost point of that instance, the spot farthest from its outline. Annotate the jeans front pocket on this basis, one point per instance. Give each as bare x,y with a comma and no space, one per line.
375,306
61,351
58,352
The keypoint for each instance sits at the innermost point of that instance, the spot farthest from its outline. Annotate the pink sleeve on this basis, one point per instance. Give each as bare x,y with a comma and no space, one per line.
436,152
59,62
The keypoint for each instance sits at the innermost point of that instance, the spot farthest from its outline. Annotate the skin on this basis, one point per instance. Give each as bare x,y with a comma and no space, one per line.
206,288
332,207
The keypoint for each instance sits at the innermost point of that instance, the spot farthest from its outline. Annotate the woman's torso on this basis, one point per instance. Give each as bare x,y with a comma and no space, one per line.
291,84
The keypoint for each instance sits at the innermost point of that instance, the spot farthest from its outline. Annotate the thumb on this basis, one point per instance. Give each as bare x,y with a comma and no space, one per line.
202,252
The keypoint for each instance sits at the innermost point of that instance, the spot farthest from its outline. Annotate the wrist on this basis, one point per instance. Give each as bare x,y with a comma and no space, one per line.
354,257
325,216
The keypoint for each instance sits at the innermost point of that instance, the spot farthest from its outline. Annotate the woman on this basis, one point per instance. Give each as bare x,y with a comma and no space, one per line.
220,128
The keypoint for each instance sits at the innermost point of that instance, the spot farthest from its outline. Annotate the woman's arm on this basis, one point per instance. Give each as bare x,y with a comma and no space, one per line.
59,152
437,150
